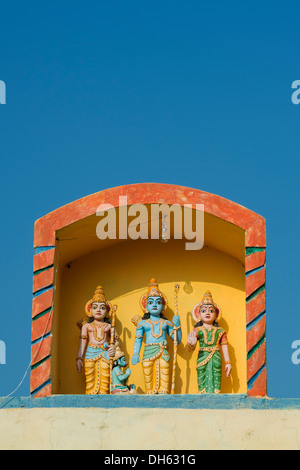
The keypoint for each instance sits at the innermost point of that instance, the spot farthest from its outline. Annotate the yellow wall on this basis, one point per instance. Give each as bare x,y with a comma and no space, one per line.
124,270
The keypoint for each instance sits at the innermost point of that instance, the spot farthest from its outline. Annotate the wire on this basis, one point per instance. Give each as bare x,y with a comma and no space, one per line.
30,364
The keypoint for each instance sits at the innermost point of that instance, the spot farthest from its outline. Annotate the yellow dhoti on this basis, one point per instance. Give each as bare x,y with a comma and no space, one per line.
97,371
156,368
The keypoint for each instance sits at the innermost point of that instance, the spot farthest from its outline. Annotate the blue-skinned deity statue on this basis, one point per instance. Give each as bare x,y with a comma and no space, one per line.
155,327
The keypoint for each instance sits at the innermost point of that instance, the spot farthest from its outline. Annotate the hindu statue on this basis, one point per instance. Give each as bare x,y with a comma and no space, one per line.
155,327
96,347
212,340
119,385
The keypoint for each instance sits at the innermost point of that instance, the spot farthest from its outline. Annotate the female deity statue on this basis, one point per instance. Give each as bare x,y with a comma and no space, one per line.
212,339
155,327
95,344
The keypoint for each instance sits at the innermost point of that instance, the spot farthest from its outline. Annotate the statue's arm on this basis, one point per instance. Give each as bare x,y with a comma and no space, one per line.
225,351
137,344
82,347
111,346
138,339
123,376
176,325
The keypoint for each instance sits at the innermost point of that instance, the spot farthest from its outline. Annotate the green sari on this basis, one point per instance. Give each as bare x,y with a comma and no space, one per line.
209,362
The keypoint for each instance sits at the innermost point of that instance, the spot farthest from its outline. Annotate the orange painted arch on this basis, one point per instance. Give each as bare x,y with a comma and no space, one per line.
151,193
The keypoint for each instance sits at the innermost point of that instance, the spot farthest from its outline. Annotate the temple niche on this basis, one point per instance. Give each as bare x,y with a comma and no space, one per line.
70,262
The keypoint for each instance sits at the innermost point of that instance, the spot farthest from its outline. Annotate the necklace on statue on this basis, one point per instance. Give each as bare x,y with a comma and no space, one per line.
102,327
152,323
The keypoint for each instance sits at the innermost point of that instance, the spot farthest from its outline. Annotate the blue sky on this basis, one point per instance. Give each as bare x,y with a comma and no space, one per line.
190,93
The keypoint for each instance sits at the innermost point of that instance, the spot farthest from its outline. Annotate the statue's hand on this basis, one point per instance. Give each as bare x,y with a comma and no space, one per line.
192,338
111,350
176,320
135,359
228,369
79,364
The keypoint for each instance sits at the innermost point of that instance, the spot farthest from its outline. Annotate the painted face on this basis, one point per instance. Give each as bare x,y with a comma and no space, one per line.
99,310
155,305
122,361
208,314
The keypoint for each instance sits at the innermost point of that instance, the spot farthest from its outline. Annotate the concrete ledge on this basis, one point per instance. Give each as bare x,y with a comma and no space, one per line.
206,401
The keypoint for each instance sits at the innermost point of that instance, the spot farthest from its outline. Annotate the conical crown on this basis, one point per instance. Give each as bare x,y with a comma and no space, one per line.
207,299
98,296
118,353
153,289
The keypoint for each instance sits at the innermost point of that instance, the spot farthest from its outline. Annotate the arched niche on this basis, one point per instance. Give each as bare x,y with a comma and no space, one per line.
70,261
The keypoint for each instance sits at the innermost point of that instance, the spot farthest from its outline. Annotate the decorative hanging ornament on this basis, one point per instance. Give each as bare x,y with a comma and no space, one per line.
164,230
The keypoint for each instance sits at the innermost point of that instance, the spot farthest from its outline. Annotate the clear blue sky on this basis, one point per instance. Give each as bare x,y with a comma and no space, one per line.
101,94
